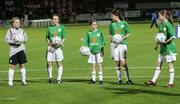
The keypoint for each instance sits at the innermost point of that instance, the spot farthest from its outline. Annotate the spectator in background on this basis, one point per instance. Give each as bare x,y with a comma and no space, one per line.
178,16
154,20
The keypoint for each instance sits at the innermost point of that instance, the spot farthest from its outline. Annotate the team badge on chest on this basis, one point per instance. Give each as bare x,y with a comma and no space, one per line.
59,30
164,29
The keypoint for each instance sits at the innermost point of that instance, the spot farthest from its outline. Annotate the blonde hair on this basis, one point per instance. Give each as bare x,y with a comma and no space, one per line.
13,19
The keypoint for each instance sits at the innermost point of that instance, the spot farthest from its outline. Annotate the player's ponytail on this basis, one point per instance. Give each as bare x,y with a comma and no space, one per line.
167,15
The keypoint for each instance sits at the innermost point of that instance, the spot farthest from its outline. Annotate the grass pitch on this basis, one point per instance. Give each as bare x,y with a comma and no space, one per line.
75,88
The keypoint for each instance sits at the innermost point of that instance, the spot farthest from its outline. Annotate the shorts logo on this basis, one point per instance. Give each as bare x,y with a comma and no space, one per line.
10,61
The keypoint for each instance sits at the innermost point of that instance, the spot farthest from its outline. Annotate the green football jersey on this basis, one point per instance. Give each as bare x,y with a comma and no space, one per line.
54,31
169,31
94,40
119,28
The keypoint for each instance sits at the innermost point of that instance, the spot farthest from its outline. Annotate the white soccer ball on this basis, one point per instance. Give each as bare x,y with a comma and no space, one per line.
160,37
117,38
84,51
56,40
19,39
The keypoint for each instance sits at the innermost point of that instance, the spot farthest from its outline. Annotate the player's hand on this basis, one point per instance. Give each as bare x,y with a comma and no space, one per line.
102,53
164,42
58,45
50,44
156,48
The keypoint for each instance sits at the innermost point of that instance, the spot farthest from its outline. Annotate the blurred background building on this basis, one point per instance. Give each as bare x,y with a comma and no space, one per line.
82,10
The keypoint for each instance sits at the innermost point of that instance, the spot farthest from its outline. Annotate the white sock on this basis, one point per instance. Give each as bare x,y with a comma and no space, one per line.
60,71
50,71
11,75
118,71
94,76
171,76
156,74
100,76
23,74
126,73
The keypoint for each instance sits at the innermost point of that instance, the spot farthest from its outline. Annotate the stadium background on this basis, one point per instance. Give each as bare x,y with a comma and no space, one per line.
80,10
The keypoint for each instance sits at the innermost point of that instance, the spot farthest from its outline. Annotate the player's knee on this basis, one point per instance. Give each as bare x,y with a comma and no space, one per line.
21,66
171,70
158,68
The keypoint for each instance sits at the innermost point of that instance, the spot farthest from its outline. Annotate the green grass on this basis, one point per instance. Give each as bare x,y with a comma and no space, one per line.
75,88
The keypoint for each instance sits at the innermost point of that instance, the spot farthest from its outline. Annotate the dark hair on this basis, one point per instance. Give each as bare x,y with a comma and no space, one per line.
13,19
117,13
92,20
167,15
54,15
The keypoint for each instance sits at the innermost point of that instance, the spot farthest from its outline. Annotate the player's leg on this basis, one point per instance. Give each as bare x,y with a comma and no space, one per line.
157,71
116,54
13,60
92,61
126,71
100,73
170,59
99,60
171,74
152,23
50,59
11,75
23,74
93,76
60,71
123,53
22,61
59,57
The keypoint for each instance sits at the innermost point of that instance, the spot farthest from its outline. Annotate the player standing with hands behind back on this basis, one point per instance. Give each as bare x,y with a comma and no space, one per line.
16,37
95,41
55,37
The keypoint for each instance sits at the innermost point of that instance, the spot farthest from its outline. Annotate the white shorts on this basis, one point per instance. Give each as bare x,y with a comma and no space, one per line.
167,58
54,54
95,58
119,52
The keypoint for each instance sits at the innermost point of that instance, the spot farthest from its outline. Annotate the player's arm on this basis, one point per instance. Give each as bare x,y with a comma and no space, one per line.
156,46
126,31
111,33
9,37
48,38
172,33
103,44
25,36
86,40
64,34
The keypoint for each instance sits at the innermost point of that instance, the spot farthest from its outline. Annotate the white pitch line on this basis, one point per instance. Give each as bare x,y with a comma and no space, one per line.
74,69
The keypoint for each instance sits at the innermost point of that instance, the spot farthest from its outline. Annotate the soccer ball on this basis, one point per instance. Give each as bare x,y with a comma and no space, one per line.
56,40
160,37
84,51
18,39
117,39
